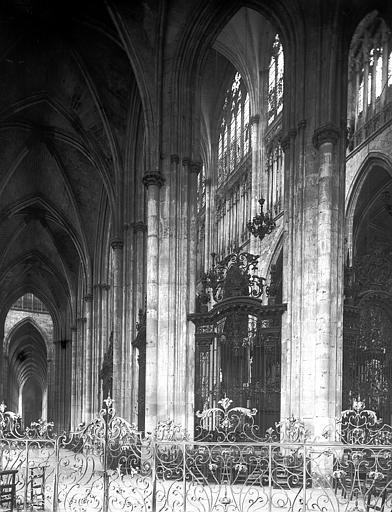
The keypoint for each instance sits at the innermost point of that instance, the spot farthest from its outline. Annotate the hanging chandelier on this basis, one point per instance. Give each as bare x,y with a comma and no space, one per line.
262,224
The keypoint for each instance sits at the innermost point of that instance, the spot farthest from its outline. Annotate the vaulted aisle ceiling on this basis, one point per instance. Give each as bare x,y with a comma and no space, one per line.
65,88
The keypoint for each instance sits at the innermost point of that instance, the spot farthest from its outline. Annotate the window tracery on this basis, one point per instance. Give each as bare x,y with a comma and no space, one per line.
274,178
233,178
370,73
234,136
275,80
201,190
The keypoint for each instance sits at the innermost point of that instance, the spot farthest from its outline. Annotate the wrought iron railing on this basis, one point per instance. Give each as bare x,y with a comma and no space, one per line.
230,466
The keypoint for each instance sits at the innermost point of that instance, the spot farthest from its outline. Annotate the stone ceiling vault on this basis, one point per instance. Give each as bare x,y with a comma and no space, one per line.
66,89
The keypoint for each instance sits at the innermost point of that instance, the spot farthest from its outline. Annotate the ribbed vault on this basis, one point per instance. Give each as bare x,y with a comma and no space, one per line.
27,365
66,94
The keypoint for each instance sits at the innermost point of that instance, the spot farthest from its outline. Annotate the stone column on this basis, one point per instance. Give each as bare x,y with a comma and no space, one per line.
3,369
153,181
187,376
117,252
328,290
66,382
101,337
256,176
62,386
288,345
50,377
88,354
74,378
80,366
140,229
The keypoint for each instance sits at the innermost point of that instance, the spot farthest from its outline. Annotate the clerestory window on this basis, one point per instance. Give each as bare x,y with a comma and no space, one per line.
234,135
275,80
233,178
370,79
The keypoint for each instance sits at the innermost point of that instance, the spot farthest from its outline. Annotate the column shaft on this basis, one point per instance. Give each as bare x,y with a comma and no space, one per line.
88,368
153,182
117,248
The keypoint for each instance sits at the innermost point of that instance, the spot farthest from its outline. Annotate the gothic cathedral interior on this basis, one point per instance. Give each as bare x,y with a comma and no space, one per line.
195,203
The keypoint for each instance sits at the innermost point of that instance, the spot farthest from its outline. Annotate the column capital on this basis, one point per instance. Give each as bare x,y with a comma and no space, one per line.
286,139
139,226
153,178
88,297
74,328
174,159
81,319
186,161
195,167
254,119
116,243
328,133
63,343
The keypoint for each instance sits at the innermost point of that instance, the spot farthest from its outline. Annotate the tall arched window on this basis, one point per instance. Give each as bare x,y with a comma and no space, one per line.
275,80
234,142
274,177
201,190
370,76
233,178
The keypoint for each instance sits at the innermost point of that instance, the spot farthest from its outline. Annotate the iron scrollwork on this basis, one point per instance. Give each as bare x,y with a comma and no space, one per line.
360,426
235,275
228,424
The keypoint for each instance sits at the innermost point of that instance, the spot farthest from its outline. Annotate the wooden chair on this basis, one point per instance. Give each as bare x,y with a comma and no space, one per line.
377,491
8,490
37,487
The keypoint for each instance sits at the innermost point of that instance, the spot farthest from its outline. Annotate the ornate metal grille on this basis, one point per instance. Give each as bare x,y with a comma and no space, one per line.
367,352
229,466
238,339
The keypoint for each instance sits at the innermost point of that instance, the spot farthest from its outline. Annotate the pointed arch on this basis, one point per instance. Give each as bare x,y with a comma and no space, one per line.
369,76
373,159
30,321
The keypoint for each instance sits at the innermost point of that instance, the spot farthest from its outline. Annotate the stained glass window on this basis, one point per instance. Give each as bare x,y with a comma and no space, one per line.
201,190
274,179
275,80
390,69
360,95
379,74
369,87
233,145
370,75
